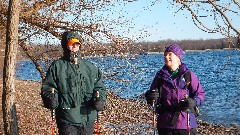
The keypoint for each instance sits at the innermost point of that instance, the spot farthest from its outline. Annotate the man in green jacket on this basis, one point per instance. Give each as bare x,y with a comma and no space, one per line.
74,88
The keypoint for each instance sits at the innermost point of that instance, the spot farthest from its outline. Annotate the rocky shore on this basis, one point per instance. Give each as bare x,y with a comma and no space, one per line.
120,117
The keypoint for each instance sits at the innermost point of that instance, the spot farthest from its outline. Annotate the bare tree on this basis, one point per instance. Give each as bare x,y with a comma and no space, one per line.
8,106
224,15
44,21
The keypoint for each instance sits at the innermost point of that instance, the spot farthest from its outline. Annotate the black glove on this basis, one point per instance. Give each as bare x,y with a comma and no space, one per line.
50,101
188,103
97,102
98,105
151,96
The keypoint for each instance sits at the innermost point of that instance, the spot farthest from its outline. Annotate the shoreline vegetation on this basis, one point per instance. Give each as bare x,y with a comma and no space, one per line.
197,50
121,116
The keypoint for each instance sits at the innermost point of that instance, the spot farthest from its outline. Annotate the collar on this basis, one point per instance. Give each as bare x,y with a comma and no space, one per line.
173,73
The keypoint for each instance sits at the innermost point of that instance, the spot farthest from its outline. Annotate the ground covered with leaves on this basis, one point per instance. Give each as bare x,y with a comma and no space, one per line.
120,117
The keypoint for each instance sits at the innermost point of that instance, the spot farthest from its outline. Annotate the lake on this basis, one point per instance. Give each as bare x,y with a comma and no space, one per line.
130,76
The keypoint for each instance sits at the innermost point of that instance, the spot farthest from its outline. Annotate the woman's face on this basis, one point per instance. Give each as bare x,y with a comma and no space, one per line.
171,60
74,47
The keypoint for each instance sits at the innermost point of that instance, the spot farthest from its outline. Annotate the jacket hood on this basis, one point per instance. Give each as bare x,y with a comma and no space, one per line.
66,37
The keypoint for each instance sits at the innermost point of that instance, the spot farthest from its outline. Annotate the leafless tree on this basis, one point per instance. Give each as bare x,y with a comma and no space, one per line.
44,21
8,105
223,15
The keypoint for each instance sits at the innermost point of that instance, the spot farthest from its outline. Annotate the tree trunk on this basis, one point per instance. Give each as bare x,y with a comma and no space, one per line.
8,95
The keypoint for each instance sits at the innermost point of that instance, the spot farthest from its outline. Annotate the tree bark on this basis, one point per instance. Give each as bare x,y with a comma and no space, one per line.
8,95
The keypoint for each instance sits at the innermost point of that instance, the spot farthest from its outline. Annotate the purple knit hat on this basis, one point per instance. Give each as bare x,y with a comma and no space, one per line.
176,49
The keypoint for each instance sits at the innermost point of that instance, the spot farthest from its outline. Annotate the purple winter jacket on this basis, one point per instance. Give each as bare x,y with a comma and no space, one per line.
173,91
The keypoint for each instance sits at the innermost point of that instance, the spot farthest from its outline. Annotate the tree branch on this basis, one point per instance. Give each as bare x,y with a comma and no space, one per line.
225,17
196,21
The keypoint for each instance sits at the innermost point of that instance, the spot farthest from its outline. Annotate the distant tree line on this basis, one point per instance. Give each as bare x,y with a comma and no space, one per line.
45,52
159,46
188,44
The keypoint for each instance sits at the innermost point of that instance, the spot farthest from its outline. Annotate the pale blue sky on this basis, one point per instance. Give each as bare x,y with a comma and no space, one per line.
159,22
151,22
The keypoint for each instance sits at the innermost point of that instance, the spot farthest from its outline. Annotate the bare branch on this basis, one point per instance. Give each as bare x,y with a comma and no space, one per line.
196,21
225,17
222,13
237,3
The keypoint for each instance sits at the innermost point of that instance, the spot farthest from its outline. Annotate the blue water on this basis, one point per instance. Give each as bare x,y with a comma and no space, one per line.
130,76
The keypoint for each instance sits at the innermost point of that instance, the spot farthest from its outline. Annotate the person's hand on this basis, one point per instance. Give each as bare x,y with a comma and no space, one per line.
50,101
98,105
152,96
188,103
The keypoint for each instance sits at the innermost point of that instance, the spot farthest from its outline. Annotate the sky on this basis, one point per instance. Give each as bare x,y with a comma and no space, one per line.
159,22
152,22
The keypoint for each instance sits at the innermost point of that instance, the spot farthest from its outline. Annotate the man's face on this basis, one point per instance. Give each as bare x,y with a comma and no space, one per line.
74,47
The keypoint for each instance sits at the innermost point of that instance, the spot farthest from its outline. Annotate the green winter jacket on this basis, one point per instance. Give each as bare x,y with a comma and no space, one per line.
74,87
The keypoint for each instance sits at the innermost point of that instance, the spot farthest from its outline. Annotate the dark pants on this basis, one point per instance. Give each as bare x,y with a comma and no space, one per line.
166,131
66,129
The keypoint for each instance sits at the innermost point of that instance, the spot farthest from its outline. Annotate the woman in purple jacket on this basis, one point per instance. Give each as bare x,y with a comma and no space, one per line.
177,93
